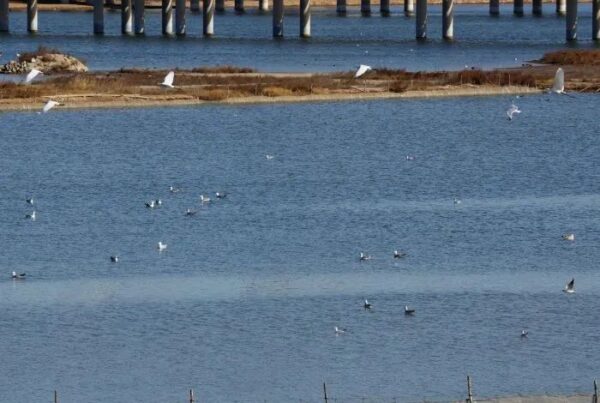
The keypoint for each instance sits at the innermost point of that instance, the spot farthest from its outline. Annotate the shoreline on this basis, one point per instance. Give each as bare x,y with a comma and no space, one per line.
110,101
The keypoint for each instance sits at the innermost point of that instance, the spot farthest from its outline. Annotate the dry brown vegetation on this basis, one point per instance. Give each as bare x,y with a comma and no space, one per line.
40,52
572,57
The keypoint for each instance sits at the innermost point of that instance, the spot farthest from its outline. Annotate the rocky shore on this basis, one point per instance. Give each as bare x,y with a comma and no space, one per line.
47,62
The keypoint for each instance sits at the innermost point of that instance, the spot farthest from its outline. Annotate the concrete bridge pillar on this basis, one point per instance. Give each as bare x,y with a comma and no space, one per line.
561,7
341,7
208,17
494,7
167,17
421,19
596,20
32,16
195,6
384,8
571,20
4,25
409,7
220,6
277,18
180,17
518,8
305,18
365,8
126,17
536,7
98,17
238,6
448,19
263,5
138,21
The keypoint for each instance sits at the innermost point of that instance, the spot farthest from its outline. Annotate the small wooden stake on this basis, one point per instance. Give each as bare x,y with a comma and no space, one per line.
595,399
325,392
469,390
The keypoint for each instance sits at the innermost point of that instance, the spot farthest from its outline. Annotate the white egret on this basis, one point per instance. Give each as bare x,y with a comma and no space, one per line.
31,75
512,110
362,69
168,81
49,105
559,82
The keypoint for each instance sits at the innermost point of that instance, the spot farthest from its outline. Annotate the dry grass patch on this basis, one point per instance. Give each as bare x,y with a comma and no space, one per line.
574,57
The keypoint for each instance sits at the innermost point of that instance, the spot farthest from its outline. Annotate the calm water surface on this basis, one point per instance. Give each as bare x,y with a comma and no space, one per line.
337,43
243,303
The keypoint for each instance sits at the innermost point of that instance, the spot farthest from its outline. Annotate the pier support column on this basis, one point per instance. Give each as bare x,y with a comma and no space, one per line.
596,20
561,7
384,8
138,21
571,20
341,7
365,8
126,17
208,17
238,6
195,6
536,7
409,7
4,25
32,16
98,17
494,7
220,6
263,5
448,19
278,18
421,19
180,17
305,18
518,8
167,17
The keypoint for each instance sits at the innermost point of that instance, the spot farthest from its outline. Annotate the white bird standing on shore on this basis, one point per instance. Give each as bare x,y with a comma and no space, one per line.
161,246
168,81
31,75
49,105
558,87
510,112
362,69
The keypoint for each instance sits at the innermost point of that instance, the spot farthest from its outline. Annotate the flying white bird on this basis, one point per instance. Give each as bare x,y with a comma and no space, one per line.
568,237
510,112
559,82
570,287
168,81
362,69
31,75
49,105
339,330
161,246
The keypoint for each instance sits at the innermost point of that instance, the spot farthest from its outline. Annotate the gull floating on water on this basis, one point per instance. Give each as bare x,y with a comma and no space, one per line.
31,216
49,105
364,257
161,246
457,201
569,237
512,110
367,305
408,311
168,81
220,195
16,276
362,69
204,199
570,287
339,330
114,259
399,255
269,156
558,87
29,201
524,333
150,204
173,189
410,157
31,75
189,212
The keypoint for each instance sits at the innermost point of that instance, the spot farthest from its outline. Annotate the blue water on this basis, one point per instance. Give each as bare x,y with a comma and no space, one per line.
242,304
337,44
